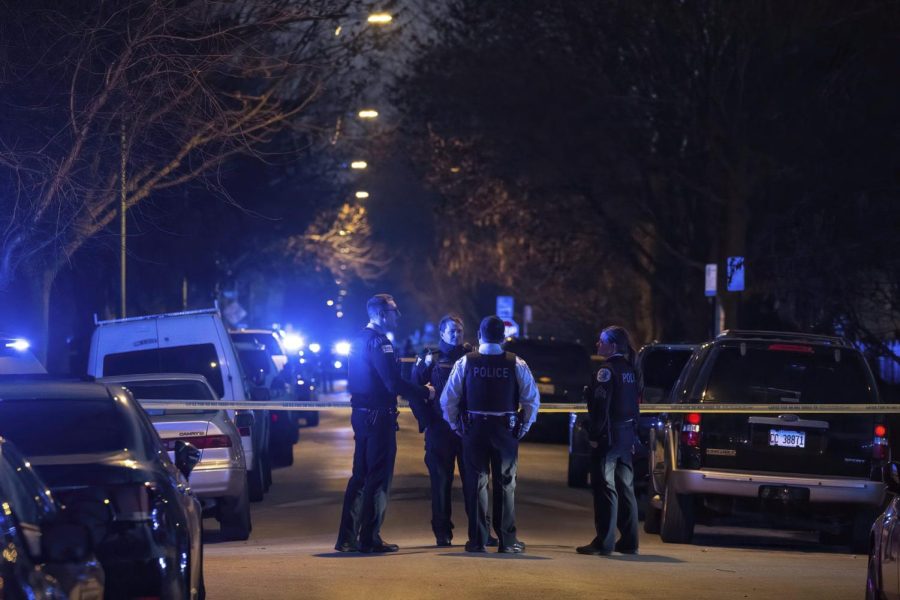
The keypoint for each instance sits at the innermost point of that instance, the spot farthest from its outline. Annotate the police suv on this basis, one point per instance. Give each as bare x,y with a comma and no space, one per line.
810,471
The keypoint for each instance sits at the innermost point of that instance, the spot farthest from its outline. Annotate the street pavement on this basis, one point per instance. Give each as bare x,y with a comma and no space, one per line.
290,553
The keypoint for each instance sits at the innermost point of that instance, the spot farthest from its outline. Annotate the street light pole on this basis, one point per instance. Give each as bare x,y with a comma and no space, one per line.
122,227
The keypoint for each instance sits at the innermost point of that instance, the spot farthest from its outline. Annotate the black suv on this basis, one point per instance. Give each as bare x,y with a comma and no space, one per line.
659,365
799,471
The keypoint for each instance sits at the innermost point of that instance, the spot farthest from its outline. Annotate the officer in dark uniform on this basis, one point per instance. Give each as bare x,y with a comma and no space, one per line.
494,386
374,382
613,411
443,448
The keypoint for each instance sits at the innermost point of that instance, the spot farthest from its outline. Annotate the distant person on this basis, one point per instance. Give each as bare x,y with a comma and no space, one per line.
443,448
408,350
374,382
495,386
612,413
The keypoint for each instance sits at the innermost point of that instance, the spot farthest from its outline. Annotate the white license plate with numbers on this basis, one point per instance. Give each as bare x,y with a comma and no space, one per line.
787,439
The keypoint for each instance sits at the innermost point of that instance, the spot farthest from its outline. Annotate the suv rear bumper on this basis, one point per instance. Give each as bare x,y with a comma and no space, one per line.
744,484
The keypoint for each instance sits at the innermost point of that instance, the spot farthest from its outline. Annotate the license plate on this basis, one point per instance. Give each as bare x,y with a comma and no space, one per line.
787,439
546,388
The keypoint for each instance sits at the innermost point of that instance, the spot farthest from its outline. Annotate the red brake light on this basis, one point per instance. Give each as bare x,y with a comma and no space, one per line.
880,430
690,430
791,348
274,417
693,418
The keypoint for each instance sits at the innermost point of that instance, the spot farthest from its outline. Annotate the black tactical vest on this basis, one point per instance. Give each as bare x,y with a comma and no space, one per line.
624,404
490,382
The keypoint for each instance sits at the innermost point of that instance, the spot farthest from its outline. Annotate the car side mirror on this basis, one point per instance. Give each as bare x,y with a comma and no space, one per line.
260,394
891,476
65,542
186,457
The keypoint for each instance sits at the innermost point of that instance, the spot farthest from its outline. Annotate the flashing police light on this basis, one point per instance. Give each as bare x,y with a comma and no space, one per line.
314,348
338,364
19,344
342,349
293,342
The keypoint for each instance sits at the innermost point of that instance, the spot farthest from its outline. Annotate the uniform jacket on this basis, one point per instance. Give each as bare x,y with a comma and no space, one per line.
612,397
374,373
427,412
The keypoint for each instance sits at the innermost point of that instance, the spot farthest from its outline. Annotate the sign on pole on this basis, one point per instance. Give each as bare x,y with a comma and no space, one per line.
526,313
711,273
505,307
735,274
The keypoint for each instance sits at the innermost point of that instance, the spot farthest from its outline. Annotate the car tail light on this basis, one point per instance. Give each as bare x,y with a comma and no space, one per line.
791,348
690,430
202,442
880,447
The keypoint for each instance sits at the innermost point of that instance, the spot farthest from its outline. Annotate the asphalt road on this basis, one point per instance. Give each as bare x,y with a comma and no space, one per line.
290,553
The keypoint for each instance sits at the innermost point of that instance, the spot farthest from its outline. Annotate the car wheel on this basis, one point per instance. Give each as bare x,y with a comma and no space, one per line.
256,483
652,517
578,471
201,585
283,454
677,521
267,470
234,517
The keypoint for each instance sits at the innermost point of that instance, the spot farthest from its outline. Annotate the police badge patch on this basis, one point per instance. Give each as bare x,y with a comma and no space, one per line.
604,375
387,348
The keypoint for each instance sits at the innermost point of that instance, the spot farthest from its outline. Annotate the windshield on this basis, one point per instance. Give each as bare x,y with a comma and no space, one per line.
801,375
181,389
41,427
562,363
201,359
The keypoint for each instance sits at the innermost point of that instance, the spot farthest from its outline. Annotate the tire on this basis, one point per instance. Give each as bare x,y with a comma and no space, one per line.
234,517
578,471
201,586
677,520
283,454
652,518
267,470
256,484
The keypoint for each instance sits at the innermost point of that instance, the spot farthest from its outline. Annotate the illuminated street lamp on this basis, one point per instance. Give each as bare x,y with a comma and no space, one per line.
368,113
359,164
380,18
362,195
330,303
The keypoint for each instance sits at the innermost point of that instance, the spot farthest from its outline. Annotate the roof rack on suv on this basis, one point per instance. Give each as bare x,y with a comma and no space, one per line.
201,311
783,335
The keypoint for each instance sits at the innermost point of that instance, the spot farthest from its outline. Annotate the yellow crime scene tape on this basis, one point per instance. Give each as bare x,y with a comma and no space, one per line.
544,408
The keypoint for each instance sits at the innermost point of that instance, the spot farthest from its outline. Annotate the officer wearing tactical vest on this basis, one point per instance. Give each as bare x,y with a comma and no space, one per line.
613,411
374,382
501,403
443,448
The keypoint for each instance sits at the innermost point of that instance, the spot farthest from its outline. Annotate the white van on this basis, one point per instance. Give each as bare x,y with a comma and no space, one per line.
185,342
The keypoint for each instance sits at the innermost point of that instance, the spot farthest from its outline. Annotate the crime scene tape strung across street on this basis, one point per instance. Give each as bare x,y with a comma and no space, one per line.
545,407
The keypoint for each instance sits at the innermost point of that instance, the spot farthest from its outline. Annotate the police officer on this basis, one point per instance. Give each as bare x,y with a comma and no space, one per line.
374,382
612,414
494,386
443,448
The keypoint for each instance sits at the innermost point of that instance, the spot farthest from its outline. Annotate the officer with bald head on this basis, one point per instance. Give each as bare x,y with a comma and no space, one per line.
501,403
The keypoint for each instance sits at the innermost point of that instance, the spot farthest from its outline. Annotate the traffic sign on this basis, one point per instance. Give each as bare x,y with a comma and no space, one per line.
711,273
735,274
505,307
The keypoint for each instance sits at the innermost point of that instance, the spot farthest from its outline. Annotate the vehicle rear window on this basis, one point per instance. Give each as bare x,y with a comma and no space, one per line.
201,359
816,375
171,390
660,369
563,362
42,427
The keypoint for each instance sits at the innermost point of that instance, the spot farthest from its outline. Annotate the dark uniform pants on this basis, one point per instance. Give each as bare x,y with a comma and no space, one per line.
365,501
489,446
612,480
443,453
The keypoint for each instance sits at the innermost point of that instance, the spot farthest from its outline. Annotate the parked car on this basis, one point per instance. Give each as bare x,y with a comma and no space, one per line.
265,374
16,358
658,365
220,478
883,574
561,370
186,342
799,471
102,459
266,339
45,556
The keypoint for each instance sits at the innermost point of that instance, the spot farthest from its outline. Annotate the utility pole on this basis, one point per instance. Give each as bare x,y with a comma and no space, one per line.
122,228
